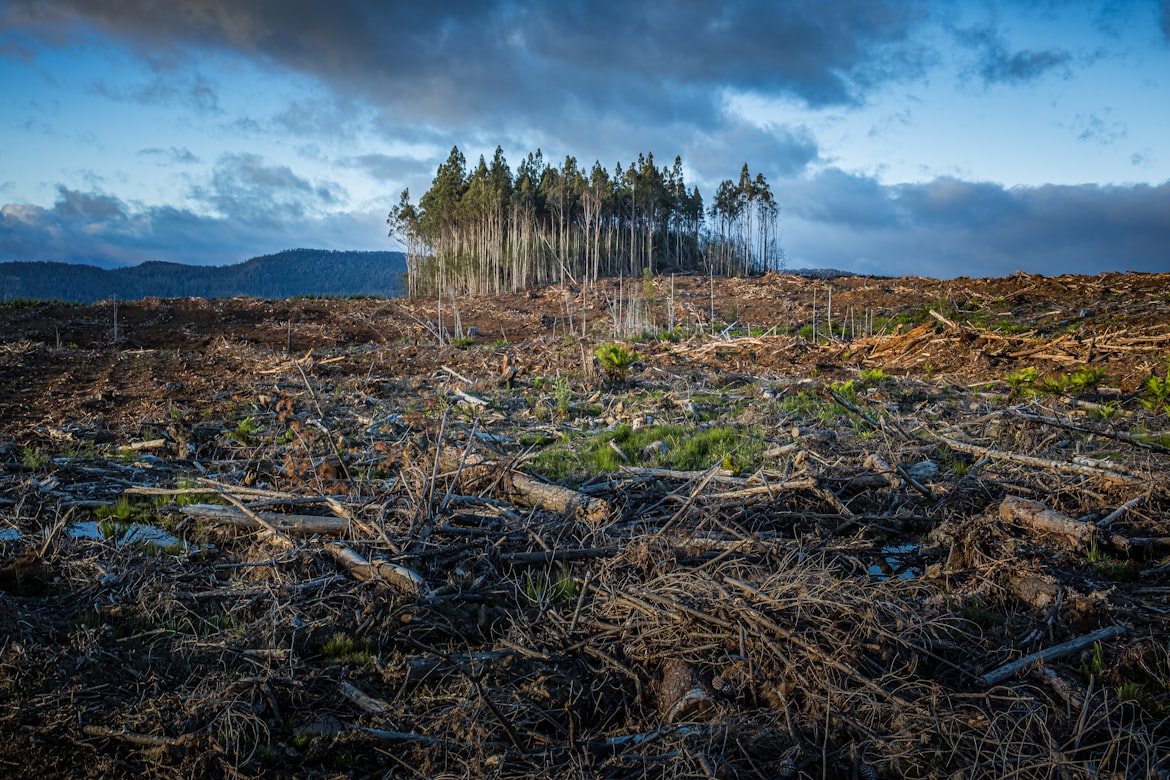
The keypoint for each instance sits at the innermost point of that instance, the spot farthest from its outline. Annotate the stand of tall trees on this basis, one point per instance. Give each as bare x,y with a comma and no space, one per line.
487,230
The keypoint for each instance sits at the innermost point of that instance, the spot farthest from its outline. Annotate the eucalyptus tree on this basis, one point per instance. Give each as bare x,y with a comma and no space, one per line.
489,230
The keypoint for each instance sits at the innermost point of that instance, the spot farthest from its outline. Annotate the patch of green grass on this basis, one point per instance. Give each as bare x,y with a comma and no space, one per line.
463,342
343,649
807,406
575,459
978,613
544,589
1109,566
872,376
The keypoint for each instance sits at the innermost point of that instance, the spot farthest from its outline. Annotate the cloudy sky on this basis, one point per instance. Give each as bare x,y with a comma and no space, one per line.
934,138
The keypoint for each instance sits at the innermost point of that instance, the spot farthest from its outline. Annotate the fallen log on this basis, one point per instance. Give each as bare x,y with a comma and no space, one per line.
1033,514
1080,533
297,524
1050,653
1110,471
376,570
477,472
682,697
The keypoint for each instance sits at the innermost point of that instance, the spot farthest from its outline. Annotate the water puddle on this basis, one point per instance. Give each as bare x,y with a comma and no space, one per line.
133,533
897,561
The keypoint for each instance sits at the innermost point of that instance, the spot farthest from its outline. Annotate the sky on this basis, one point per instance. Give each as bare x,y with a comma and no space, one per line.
943,139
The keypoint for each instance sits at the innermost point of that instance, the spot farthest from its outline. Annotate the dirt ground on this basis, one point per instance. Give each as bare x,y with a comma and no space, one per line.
788,537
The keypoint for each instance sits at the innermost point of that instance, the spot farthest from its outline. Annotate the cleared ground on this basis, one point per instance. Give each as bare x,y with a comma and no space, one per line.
787,534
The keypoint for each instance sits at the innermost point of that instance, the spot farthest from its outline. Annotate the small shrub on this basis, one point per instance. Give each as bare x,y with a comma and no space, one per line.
1157,393
1021,382
33,458
616,360
1086,378
247,430
1053,385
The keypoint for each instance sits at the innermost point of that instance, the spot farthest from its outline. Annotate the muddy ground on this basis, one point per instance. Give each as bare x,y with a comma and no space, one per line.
789,536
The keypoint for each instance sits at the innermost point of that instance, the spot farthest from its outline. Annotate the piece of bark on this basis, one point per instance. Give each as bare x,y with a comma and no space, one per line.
480,473
1033,514
299,524
1038,590
376,570
682,696
363,700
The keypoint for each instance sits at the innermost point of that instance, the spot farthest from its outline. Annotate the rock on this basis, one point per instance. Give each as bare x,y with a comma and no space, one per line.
924,471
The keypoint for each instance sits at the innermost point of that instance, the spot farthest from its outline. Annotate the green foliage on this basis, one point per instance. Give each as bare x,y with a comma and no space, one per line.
33,458
463,342
616,359
1156,397
247,430
1109,566
543,589
1087,378
1056,384
872,376
1022,380
1137,693
807,406
1093,663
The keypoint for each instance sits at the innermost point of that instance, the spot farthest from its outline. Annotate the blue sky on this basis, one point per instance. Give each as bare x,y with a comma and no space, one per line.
931,138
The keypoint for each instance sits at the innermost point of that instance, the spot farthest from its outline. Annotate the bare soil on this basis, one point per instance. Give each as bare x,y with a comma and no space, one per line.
792,552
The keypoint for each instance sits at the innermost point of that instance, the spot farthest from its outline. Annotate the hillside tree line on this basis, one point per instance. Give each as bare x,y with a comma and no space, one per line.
489,230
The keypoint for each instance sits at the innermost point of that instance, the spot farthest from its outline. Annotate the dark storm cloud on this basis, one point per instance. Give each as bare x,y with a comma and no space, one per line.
948,227
93,227
773,150
996,64
387,167
247,187
448,61
1164,19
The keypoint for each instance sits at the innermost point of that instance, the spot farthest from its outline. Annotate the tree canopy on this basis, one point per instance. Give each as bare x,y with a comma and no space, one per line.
486,230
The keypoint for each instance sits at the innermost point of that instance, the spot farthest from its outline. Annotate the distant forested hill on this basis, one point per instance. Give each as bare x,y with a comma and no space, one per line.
287,274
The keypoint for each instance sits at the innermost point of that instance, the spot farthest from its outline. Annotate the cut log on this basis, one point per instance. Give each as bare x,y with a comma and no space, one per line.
1034,515
683,697
477,472
376,570
297,524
